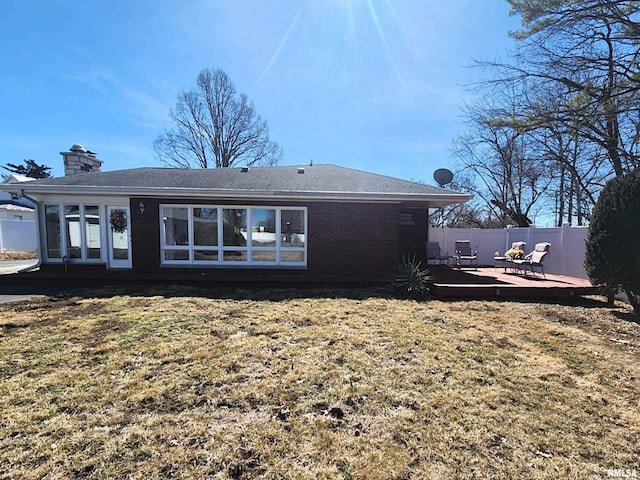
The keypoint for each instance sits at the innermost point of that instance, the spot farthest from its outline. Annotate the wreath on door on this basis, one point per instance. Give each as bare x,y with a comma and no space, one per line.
118,221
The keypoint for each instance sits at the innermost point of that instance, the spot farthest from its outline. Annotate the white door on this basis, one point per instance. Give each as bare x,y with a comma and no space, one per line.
118,236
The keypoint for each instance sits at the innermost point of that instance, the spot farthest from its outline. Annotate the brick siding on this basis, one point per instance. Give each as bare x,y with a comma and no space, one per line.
344,239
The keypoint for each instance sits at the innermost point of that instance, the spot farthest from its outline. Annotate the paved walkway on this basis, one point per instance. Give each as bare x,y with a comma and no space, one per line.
14,266
22,291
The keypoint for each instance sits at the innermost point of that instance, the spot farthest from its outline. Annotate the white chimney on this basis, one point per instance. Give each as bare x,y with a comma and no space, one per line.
79,160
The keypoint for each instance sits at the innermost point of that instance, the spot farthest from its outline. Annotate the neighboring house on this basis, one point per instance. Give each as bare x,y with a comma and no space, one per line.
320,221
17,218
11,211
11,207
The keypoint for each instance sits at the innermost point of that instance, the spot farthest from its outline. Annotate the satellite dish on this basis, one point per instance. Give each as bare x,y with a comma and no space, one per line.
443,176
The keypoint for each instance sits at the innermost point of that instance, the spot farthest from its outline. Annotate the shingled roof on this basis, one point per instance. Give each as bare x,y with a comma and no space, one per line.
316,182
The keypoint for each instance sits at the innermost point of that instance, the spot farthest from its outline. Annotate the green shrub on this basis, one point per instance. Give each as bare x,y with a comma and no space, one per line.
613,245
410,280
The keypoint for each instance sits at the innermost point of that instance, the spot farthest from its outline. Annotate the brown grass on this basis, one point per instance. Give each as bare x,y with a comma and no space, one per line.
173,384
6,256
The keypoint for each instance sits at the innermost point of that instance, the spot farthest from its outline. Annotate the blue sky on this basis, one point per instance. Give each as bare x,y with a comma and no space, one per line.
375,85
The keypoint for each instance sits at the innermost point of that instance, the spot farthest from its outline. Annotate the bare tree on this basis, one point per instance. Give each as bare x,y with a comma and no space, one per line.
509,175
215,127
575,67
586,55
475,213
579,171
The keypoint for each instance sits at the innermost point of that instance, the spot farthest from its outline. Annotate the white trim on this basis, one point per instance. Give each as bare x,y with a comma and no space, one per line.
431,200
220,248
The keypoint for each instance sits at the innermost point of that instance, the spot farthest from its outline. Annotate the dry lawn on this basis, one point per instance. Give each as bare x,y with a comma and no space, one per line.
6,256
176,384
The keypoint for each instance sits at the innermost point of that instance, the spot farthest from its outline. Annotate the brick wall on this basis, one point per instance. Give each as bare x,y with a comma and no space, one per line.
145,234
414,234
344,239
352,238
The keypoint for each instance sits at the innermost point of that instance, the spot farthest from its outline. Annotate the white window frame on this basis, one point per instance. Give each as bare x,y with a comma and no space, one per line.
221,248
83,234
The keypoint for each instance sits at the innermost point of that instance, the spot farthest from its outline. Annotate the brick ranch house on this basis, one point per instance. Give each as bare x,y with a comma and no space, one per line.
320,222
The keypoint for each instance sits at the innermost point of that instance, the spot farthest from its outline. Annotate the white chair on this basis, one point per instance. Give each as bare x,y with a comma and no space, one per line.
534,259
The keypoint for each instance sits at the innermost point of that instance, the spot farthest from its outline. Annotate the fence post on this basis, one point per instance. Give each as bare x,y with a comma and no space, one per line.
564,235
445,240
475,241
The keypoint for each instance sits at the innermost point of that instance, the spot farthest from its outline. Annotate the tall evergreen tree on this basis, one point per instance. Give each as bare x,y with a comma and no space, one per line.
29,169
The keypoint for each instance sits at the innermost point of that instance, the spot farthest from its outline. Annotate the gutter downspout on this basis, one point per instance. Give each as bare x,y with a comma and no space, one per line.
37,205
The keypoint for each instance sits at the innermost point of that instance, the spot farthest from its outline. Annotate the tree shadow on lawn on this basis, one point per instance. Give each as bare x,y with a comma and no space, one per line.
275,294
627,316
461,277
585,302
252,292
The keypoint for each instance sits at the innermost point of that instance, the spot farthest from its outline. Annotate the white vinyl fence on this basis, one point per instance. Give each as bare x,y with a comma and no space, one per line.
565,257
18,236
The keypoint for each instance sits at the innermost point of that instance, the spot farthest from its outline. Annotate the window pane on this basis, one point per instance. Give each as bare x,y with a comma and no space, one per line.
118,232
292,228
291,257
235,227
263,227
92,230
206,255
176,254
120,253
52,214
205,226
176,225
263,256
72,229
234,256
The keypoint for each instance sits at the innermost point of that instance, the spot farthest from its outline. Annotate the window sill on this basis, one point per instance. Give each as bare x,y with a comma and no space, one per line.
191,266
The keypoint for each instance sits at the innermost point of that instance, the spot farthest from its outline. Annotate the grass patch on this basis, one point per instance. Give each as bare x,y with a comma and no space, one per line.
6,256
174,384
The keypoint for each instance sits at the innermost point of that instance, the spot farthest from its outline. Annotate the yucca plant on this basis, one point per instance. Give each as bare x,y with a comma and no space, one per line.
410,280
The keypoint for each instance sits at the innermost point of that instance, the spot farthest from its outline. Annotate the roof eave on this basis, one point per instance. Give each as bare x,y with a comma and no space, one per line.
435,200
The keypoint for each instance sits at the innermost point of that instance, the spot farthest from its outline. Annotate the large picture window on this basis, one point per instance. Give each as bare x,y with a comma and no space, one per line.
233,235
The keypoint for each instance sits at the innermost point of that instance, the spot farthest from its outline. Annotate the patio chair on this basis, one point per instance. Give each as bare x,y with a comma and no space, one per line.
508,258
534,259
464,253
435,254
